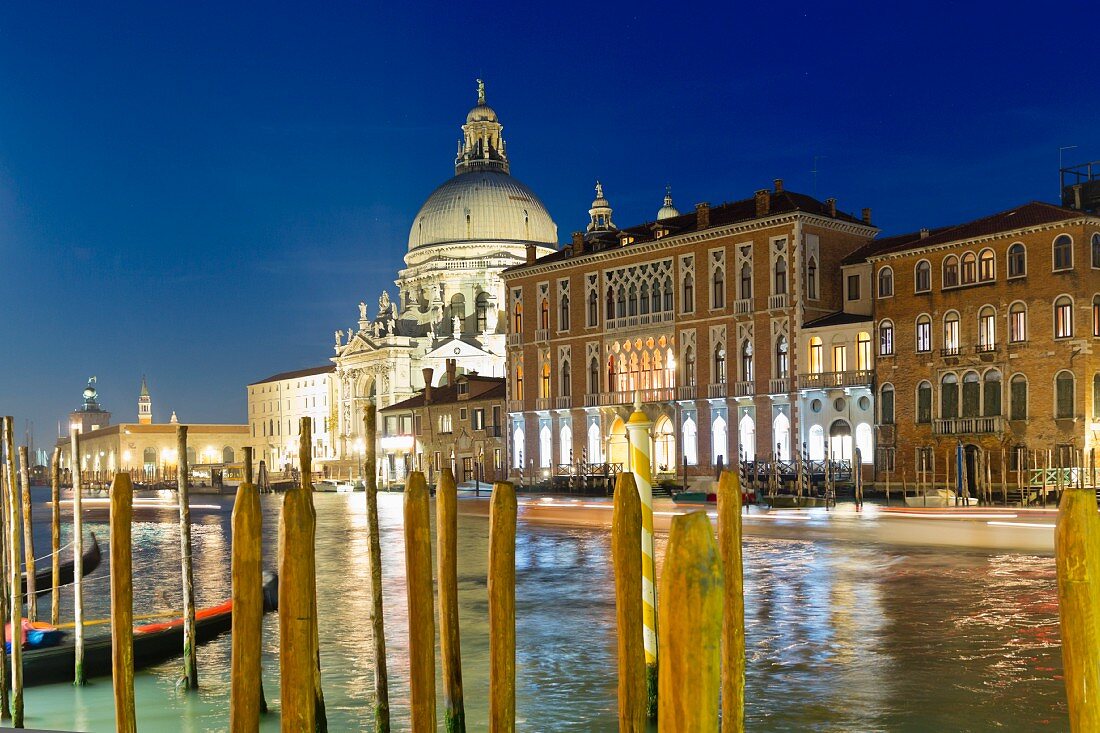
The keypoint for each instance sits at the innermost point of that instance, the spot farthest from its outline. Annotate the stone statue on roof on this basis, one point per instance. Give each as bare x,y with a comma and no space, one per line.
362,311
338,335
383,302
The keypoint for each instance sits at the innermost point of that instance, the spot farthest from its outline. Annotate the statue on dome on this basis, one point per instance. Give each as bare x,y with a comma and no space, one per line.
338,335
480,92
383,302
362,311
376,328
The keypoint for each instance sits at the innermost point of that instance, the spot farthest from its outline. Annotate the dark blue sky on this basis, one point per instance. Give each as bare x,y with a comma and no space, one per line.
203,193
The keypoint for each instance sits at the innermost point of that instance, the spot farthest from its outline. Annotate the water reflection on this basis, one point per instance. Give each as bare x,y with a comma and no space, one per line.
840,637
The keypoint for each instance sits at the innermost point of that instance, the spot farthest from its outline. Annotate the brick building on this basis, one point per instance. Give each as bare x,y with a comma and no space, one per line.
697,316
988,334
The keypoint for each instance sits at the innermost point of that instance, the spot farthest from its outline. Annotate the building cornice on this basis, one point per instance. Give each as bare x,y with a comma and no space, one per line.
1082,220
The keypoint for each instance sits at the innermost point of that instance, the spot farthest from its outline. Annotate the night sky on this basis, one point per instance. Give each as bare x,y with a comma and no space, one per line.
203,193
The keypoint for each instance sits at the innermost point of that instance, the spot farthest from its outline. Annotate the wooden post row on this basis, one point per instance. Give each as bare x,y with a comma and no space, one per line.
446,513
378,625
246,680
626,552
190,658
421,609
122,603
502,608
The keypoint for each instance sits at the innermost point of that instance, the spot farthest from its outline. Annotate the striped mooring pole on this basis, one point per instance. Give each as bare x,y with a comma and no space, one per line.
639,427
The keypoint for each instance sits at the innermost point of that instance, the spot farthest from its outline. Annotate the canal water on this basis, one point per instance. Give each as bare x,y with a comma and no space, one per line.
841,636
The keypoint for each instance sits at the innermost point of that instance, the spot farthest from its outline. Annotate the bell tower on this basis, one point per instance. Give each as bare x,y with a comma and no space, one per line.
145,405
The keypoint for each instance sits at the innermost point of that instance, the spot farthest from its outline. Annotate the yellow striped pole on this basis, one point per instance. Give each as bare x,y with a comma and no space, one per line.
638,428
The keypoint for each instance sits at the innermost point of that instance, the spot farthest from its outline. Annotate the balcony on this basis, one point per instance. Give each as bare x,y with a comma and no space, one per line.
969,425
781,385
832,380
591,400
715,391
687,392
985,348
742,307
542,403
515,339
563,403
744,389
950,351
626,323
776,302
542,335
515,405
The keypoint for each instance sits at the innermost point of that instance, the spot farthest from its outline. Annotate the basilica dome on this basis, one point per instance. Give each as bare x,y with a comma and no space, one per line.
482,205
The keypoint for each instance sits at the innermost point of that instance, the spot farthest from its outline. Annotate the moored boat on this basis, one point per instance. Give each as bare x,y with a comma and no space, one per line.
794,501
43,579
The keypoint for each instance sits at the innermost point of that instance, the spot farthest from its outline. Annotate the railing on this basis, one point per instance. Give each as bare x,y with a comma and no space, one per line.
687,392
775,302
950,351
744,389
542,403
515,405
742,307
985,348
659,394
824,380
591,400
563,402
515,339
639,321
782,385
716,390
542,334
968,425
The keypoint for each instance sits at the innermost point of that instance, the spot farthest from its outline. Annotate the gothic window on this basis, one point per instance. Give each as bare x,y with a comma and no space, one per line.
924,402
1018,396
544,314
780,275
620,303
668,295
1017,260
1063,252
1063,317
519,382
924,334
922,277
632,301
782,360
610,303
689,366
950,271
987,328
563,317
811,279
517,319
593,309
746,281
969,268
886,338
746,361
611,373
689,294
594,376
566,378
1017,322
987,267
949,396
718,288
544,381
719,365
991,393
643,302
885,282
1063,394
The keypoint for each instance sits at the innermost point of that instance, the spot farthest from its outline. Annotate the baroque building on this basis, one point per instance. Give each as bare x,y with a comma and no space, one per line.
450,294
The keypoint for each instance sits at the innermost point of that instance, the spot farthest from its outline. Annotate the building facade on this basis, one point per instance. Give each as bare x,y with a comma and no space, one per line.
695,316
275,408
458,424
450,294
988,337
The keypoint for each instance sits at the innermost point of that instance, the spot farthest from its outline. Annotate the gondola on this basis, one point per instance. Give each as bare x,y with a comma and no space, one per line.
43,579
153,643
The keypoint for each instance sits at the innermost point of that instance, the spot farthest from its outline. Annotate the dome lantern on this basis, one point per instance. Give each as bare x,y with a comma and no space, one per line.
482,146
600,213
668,210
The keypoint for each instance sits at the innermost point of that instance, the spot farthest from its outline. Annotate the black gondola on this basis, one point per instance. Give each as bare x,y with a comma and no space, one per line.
43,579
153,643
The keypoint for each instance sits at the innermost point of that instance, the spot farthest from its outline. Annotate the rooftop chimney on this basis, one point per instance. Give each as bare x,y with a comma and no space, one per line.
452,370
763,202
428,371
779,185
924,233
578,243
831,203
702,215
530,253
867,217
1077,202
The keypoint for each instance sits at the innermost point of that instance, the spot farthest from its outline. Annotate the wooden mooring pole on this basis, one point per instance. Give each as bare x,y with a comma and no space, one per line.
79,678
691,598
374,551
122,603
502,608
733,608
297,659
305,466
626,553
1077,557
418,574
246,680
15,585
190,657
55,536
28,532
446,517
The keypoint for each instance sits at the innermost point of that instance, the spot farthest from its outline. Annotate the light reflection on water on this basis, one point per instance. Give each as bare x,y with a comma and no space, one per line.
841,637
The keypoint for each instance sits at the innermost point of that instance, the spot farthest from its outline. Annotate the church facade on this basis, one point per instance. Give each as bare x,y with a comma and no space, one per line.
450,295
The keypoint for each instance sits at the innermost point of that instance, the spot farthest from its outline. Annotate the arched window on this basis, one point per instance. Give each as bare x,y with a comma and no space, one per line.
746,361
689,366
950,271
719,365
565,444
1017,322
816,445
563,315
987,328
593,309
949,396
781,429
664,443
811,279
594,376
1096,250
517,319
667,298
840,441
1018,397
885,282
972,395
610,303
886,404
719,441
691,442
886,338
517,448
620,303
987,266
922,277
991,393
1017,260
746,281
782,358
1063,317
924,333
566,380
544,314
611,384
1096,315
595,444
746,437
1064,398
546,447
817,361
227,454
865,442
544,380
924,402
969,268
780,275
718,288
951,333
1096,396
481,305
688,304
519,382
643,299
1063,252
863,351
632,300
